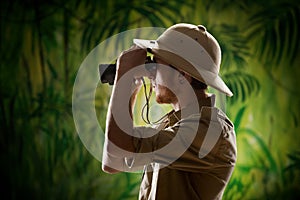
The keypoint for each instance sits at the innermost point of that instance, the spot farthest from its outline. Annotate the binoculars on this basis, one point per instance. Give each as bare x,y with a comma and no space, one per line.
108,71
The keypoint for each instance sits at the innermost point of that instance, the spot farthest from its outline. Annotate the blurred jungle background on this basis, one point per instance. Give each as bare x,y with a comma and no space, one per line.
44,42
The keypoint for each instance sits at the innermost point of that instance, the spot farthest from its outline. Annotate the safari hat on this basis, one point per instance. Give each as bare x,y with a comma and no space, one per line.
192,49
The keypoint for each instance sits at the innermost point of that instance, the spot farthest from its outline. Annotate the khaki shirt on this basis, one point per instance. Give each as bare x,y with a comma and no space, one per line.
198,165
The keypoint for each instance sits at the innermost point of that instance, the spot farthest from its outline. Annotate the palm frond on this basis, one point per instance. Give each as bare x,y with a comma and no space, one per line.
242,85
276,31
265,159
233,45
127,15
238,118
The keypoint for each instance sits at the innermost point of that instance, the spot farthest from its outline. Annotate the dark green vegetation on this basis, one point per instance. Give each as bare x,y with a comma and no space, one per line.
44,42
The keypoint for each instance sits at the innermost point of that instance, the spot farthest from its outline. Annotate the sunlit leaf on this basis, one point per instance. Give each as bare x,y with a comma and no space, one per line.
243,85
239,118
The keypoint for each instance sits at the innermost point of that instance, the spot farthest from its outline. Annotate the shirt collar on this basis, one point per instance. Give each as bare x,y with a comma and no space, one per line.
175,116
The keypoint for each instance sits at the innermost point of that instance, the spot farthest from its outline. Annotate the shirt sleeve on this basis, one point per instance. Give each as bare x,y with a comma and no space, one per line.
164,146
192,144
212,148
197,143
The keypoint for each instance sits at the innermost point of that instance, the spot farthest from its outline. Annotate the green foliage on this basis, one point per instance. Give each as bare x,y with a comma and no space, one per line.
233,44
276,27
295,158
43,43
242,85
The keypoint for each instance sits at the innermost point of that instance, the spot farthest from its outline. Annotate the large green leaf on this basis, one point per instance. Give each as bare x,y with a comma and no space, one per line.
276,30
235,50
242,84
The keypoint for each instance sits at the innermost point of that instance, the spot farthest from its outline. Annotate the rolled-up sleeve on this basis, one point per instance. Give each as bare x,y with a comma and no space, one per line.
144,141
